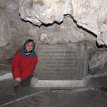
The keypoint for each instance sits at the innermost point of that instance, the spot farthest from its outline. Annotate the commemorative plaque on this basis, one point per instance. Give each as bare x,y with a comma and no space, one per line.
61,61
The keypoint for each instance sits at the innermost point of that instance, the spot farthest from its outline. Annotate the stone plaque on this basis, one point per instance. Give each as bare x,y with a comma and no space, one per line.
61,61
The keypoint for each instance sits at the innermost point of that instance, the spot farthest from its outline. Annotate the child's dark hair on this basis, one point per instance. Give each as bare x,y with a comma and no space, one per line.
28,41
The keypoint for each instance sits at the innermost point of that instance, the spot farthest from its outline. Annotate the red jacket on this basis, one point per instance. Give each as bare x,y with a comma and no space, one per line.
23,66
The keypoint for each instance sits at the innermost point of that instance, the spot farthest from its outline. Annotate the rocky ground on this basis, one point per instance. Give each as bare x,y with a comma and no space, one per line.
92,95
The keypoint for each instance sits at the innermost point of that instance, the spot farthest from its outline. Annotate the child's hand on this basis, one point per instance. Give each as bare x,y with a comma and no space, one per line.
18,79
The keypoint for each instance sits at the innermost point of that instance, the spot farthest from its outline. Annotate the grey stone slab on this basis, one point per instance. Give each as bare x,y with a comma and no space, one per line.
59,83
62,61
9,95
62,98
54,97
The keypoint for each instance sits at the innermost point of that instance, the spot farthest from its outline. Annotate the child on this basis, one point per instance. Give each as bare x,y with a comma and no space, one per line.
24,63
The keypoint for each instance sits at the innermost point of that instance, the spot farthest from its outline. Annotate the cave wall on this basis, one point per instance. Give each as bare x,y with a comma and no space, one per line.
14,30
53,22
91,15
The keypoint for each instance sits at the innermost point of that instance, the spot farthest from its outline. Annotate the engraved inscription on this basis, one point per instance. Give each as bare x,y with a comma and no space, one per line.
57,61
57,58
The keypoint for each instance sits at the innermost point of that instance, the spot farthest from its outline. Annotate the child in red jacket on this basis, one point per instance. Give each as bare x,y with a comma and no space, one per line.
24,63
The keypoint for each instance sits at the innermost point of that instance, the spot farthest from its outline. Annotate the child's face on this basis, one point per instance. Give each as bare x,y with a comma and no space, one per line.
29,46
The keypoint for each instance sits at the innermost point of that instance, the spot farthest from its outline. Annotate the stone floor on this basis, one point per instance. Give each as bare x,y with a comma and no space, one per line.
89,96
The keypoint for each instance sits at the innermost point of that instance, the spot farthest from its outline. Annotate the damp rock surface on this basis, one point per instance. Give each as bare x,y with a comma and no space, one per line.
4,29
89,14
83,97
52,22
44,11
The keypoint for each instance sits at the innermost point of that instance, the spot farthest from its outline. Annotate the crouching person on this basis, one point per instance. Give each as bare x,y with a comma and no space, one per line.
24,63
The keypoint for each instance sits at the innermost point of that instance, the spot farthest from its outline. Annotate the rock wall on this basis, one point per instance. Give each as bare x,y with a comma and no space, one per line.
66,32
52,22
44,11
88,14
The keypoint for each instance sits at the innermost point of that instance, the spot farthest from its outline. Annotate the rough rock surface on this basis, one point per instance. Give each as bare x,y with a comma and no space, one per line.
13,31
4,29
90,96
92,15
89,14
44,11
98,59
69,13
66,32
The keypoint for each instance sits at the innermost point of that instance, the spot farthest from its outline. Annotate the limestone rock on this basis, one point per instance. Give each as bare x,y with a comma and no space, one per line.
92,15
66,32
4,29
89,14
44,11
98,59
